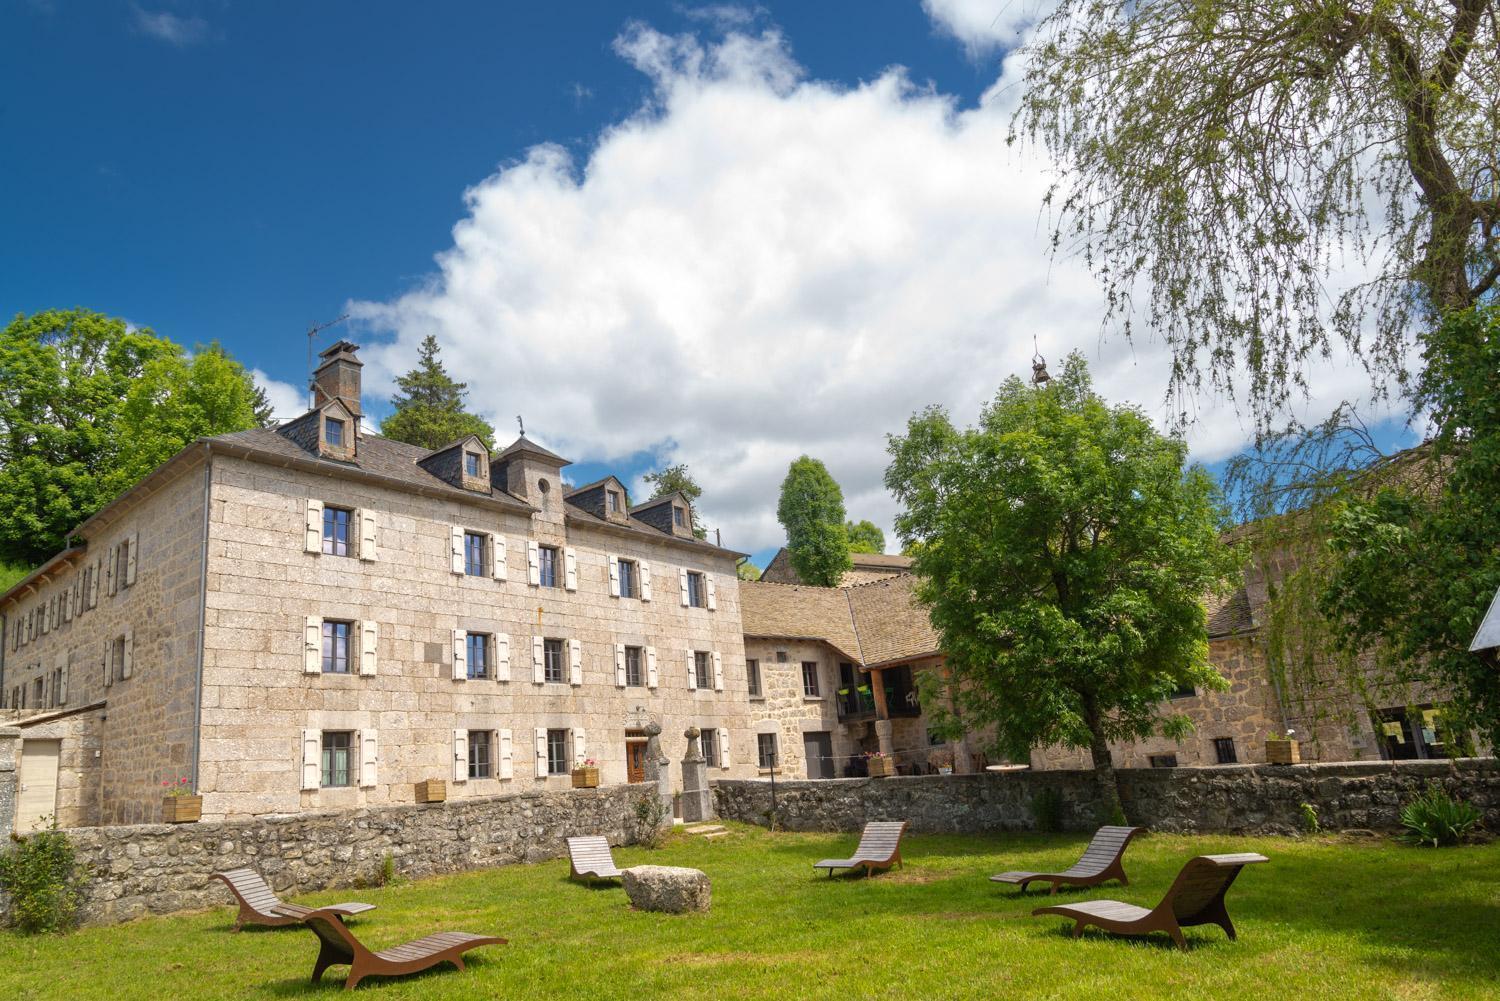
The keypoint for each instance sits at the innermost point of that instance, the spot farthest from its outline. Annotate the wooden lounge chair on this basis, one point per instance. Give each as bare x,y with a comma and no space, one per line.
1102,861
879,848
339,947
1196,898
591,857
259,904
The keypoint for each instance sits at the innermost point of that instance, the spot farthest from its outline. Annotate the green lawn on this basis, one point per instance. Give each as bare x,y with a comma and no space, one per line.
1325,919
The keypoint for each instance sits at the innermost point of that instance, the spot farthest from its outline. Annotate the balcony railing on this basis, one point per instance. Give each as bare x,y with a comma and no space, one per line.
856,704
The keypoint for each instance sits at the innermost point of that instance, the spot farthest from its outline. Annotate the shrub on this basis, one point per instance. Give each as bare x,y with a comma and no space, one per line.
1046,810
387,875
1310,824
44,880
1436,818
650,815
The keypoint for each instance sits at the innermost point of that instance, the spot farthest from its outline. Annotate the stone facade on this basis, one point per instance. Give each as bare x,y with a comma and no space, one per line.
161,868
1242,799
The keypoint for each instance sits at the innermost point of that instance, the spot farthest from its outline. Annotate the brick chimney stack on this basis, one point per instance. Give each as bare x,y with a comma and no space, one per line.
338,377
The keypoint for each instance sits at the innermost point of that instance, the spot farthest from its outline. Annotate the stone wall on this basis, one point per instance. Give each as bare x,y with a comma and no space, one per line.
10,740
1241,799
161,868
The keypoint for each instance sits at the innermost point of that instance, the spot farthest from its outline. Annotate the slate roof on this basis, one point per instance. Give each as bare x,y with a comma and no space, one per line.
526,445
1230,615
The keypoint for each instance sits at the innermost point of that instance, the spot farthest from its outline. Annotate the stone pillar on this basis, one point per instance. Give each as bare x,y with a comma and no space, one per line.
697,800
885,734
658,768
10,746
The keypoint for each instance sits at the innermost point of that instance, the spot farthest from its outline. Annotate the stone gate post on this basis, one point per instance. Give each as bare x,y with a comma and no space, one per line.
697,800
10,746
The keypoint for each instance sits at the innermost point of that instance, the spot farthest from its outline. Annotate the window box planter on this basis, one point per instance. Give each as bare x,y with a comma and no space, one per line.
585,777
1283,752
881,768
432,791
181,809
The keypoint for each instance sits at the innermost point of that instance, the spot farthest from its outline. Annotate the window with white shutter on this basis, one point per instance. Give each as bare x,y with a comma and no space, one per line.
460,755
497,556
645,581
692,671
533,563
94,587
713,592
312,646
580,746
369,549
131,557
312,755
111,566
541,753
502,657
682,585
127,664
651,680
61,685
718,671
619,665
314,540
368,647
368,757
538,660
456,548
507,765
109,663
614,576
575,662
460,655
570,569
723,747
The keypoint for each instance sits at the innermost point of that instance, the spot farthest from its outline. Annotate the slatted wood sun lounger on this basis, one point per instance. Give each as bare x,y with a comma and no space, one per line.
259,904
339,947
1102,861
1196,898
591,857
879,848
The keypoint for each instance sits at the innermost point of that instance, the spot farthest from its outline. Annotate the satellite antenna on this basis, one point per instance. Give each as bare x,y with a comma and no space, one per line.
312,332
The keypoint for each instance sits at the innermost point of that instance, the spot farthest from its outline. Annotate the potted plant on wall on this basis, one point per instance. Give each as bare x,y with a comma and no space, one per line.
1283,750
880,765
179,804
586,775
941,758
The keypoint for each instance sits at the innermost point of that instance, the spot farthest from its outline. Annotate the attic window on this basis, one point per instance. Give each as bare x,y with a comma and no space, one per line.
614,501
471,463
333,432
679,518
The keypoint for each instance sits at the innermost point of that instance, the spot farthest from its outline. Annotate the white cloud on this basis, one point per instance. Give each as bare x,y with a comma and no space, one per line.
986,25
757,266
286,399
174,29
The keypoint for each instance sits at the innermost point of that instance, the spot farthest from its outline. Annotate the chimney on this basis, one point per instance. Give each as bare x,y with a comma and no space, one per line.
337,378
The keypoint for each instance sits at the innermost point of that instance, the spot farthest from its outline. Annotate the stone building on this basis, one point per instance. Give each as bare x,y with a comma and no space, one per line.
312,617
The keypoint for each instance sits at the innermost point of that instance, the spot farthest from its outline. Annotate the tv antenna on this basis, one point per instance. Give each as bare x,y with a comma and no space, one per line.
312,333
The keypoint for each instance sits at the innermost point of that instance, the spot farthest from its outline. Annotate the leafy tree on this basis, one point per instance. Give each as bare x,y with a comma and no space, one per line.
81,395
1064,550
676,479
10,573
1230,157
429,410
864,537
745,570
811,510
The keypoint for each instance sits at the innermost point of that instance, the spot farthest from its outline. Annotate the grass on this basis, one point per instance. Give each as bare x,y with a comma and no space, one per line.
1327,918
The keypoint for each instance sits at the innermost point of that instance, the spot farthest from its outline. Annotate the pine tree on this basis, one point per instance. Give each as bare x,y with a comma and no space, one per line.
430,406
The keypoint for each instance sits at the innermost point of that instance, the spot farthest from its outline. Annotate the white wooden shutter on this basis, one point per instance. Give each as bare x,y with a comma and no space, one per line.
692,665
314,541
113,562
580,746
497,556
713,593
312,646
109,662
502,657
718,671
619,665
312,765
127,668
723,747
541,753
533,563
460,755
62,680
575,662
651,680
460,655
456,546
507,764
682,586
645,571
368,755
131,556
538,667
570,568
94,586
369,550
614,576
369,633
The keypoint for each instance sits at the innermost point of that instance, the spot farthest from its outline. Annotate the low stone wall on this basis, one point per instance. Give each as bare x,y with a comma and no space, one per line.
10,739
1237,799
160,868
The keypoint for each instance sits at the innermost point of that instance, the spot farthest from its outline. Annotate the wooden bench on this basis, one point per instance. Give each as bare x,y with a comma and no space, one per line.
1102,861
1195,898
591,857
879,848
259,904
339,947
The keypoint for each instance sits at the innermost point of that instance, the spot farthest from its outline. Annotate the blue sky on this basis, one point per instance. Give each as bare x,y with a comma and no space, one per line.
714,234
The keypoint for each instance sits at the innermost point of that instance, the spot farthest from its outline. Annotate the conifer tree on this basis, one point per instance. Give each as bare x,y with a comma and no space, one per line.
430,406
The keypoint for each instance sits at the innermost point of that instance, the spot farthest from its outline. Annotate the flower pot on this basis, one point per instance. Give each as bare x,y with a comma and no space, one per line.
1283,752
881,768
585,777
945,769
432,791
181,809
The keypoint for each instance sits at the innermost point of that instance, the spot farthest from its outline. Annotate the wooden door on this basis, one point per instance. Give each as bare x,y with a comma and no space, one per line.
37,804
635,760
818,747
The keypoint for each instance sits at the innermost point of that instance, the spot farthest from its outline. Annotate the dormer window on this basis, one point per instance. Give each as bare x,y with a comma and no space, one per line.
471,464
333,432
679,516
614,501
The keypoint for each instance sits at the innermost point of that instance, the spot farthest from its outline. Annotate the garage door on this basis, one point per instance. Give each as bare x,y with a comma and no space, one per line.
38,800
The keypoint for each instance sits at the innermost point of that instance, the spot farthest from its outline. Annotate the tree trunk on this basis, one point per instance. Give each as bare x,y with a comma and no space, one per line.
1104,764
